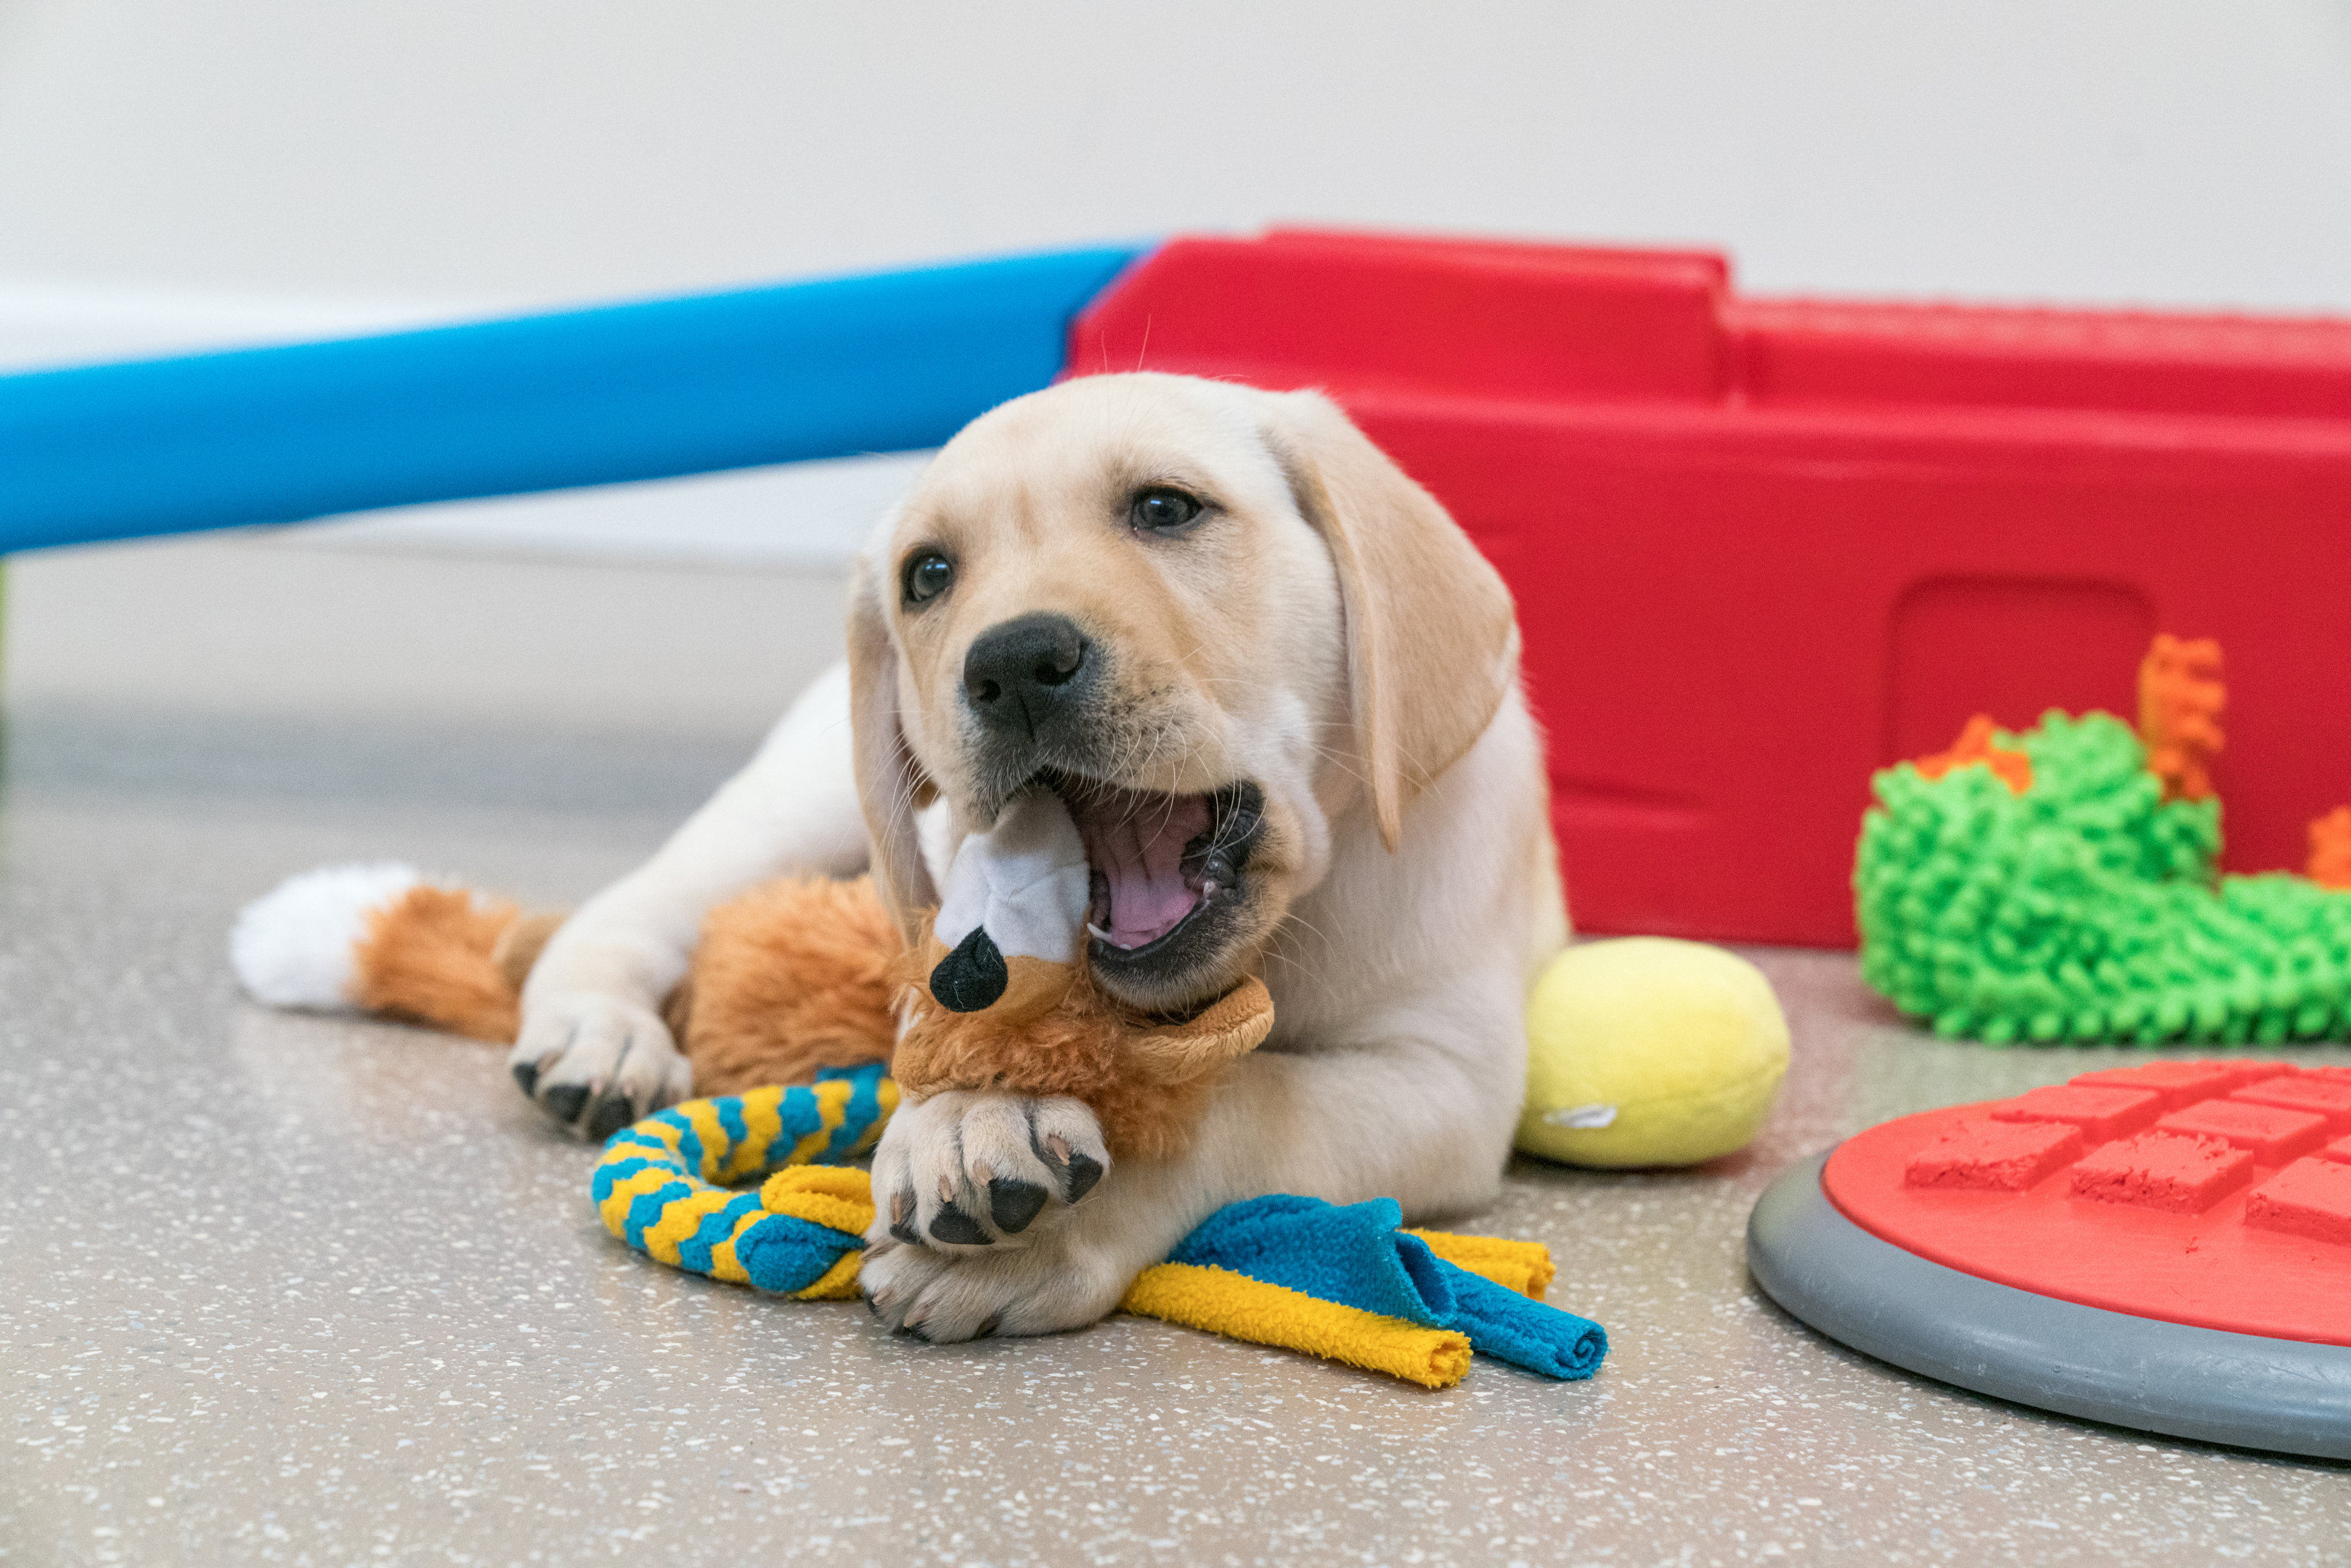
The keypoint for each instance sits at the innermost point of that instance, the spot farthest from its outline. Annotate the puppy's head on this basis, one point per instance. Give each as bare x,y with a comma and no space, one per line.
1217,621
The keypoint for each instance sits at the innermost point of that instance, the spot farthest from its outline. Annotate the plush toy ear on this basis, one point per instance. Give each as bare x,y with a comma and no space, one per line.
1234,1026
890,785
1432,635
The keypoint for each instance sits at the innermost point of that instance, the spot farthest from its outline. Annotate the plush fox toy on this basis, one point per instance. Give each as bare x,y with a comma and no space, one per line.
1002,999
799,975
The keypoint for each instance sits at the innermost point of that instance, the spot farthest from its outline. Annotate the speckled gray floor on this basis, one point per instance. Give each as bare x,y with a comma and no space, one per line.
290,1290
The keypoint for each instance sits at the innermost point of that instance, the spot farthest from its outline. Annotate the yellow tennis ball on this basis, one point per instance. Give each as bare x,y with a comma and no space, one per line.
1647,1052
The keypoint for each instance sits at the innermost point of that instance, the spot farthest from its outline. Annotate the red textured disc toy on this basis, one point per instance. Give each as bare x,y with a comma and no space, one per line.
2165,1246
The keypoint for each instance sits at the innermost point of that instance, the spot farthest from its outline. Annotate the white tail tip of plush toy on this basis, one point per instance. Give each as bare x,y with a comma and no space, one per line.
291,948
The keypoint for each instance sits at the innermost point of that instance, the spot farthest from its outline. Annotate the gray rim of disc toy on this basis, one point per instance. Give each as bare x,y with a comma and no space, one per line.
2287,1396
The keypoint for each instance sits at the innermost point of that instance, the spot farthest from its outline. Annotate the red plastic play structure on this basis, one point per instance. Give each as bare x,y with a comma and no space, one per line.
1762,547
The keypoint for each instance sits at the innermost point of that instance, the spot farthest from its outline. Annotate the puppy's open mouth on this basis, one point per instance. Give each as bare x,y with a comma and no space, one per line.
1164,868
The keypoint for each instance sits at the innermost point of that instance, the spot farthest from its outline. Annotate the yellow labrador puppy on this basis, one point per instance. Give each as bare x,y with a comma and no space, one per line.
1278,690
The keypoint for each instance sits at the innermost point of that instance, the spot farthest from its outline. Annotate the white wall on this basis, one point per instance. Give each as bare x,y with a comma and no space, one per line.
175,173
506,152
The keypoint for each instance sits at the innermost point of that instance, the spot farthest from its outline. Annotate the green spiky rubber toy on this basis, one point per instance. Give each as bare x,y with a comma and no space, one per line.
2083,907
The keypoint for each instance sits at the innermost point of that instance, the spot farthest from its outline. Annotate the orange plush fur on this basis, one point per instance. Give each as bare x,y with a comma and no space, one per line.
790,977
430,957
806,973
1142,1079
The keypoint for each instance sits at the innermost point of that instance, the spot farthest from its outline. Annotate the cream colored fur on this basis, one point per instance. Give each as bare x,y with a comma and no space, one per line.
1332,638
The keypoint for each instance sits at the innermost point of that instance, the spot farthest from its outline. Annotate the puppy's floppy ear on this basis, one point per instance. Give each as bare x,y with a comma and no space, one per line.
1432,635
890,785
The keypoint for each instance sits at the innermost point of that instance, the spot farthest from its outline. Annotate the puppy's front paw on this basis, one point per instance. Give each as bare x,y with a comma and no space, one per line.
597,1063
949,1297
960,1171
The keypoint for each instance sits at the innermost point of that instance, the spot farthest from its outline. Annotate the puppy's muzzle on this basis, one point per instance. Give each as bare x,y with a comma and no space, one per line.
1030,681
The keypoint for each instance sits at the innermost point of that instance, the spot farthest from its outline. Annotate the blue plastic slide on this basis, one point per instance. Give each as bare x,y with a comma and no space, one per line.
884,363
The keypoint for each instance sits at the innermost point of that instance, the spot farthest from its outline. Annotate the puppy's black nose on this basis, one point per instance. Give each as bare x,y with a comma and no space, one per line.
1020,676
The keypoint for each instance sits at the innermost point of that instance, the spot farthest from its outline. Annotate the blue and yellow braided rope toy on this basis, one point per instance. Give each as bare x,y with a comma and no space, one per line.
663,1185
1339,1282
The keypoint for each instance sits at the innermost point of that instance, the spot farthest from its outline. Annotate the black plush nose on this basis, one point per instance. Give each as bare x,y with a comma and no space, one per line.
1021,676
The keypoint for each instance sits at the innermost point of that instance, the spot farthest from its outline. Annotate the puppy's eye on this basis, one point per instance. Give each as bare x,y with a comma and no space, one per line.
928,575
1163,510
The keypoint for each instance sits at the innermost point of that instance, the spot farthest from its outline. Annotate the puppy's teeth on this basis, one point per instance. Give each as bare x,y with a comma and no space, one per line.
1095,931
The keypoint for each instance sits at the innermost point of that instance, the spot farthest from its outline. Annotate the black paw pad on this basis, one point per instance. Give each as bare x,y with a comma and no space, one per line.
526,1074
972,977
1084,1171
610,1117
953,1225
566,1100
1013,1204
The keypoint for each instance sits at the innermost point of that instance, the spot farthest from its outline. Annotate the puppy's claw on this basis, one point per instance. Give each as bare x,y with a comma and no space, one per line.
596,1064
965,1170
944,1296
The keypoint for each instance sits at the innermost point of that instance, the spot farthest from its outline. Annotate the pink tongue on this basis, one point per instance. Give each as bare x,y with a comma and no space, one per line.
1135,842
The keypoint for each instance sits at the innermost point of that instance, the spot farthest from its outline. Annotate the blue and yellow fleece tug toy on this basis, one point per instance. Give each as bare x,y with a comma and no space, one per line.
1340,1282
